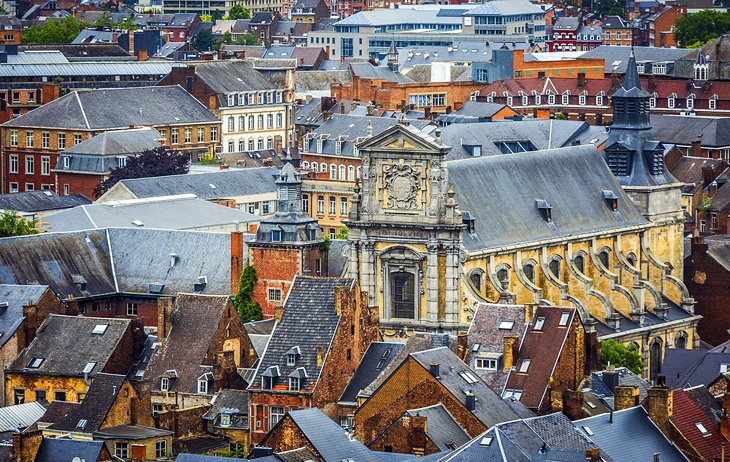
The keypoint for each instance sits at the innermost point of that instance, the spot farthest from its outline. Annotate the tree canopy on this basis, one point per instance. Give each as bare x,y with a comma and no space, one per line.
152,162
246,38
54,31
696,29
204,41
239,11
12,224
248,309
604,8
620,355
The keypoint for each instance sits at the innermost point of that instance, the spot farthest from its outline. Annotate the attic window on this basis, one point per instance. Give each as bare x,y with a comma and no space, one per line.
506,325
476,347
545,209
486,441
468,377
516,394
294,384
724,368
200,283
89,367
591,405
564,318
225,420
99,329
539,323
588,430
35,363
276,235
469,220
211,185
611,199
525,366
164,384
702,429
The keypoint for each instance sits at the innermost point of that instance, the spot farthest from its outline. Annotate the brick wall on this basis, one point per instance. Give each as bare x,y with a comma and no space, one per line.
183,422
407,436
570,369
286,437
76,183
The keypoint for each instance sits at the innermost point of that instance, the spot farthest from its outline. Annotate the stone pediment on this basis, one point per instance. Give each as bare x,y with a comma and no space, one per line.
402,137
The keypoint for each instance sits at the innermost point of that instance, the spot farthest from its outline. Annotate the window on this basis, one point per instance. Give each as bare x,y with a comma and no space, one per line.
525,100
551,99
275,295
60,396
132,309
333,205
45,165
35,363
506,325
225,420
213,133
29,139
13,137
279,120
40,395
231,146
555,267
275,234
713,103
14,187
161,447
260,144
45,140
201,135
174,136
690,103
599,100
66,190
487,364
582,100
305,202
320,205
539,323
652,102
251,144
29,187
19,395
579,261
188,135
294,384
276,413
203,385
529,270
291,359
270,121
351,173
269,143
260,123
333,172
702,429
564,316
538,100
566,99
121,450
343,206
77,138
670,103
241,145
251,123
524,366
603,258
29,165
13,163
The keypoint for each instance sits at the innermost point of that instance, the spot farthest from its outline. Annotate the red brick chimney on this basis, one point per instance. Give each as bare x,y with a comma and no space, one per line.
696,149
164,317
659,404
131,42
236,259
418,434
49,92
573,404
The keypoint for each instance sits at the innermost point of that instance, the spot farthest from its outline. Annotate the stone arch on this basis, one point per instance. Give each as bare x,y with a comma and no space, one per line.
680,341
579,260
655,358
476,279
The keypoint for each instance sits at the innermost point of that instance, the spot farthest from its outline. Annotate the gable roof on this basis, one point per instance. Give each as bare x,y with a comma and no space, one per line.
195,319
490,407
689,368
309,322
67,344
40,201
89,109
231,402
16,296
224,183
87,155
232,76
570,179
366,70
441,428
378,356
543,349
685,416
609,432
63,450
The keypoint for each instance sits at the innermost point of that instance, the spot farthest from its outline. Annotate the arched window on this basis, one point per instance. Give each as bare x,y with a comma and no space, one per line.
603,258
241,145
655,359
503,275
529,270
315,167
270,143
323,167
359,171
681,342
351,173
631,258
231,124
231,146
476,280
333,172
555,267
580,263
241,123
342,172
305,164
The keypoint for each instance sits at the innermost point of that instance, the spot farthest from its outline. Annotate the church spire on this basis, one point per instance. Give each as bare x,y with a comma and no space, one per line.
631,79
392,57
631,101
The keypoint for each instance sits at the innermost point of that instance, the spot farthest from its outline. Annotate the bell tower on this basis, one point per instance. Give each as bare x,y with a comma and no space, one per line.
405,231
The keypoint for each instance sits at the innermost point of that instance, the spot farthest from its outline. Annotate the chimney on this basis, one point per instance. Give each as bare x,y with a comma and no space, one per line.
418,434
696,149
593,455
462,346
725,417
49,92
707,175
611,378
471,401
625,397
278,312
573,404
659,404
131,43
342,108
433,369
510,351
142,55
164,317
236,259
427,113
581,79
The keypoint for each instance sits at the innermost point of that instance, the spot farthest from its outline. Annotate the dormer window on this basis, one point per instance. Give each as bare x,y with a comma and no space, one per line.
231,100
292,355
545,209
276,235
611,199
203,386
294,383
164,384
225,420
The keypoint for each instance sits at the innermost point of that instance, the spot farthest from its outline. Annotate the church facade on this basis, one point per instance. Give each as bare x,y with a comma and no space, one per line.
429,240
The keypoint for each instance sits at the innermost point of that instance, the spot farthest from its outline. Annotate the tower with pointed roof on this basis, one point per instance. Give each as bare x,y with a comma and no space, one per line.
392,57
287,244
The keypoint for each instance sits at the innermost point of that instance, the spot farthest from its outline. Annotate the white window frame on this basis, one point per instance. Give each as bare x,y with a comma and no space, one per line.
132,309
275,417
203,386
274,295
565,99
294,384
486,364
713,103
164,384
121,449
670,103
160,448
525,366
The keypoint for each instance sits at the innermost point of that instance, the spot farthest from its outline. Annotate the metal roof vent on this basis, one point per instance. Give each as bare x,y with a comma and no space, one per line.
611,199
545,209
200,283
173,259
155,288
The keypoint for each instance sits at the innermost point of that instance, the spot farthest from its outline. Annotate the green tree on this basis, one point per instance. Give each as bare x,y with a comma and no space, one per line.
248,309
204,41
246,38
239,11
619,355
12,224
151,163
54,31
342,233
701,27
604,7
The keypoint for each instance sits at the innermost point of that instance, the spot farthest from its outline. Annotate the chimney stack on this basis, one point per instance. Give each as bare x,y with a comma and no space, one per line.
419,427
471,401
593,455
573,404
659,404
696,149
434,369
625,397
164,317
236,259
611,378
510,351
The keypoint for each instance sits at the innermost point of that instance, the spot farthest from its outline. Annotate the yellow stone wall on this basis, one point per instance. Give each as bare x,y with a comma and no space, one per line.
73,386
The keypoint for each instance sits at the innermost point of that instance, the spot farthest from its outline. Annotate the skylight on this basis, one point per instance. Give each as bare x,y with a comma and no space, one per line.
99,329
525,365
468,377
539,323
506,325
89,367
588,430
35,363
564,318
486,441
82,423
476,347
702,429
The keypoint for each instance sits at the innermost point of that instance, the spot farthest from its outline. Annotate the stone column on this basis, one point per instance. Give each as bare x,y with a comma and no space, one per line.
432,281
452,284
368,271
354,263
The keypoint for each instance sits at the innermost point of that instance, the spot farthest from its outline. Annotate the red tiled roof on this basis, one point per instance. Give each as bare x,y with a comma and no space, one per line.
543,348
685,417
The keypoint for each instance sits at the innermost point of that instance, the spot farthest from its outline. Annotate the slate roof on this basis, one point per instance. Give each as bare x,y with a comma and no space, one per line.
99,153
40,201
186,457
685,416
16,297
232,76
626,378
84,52
485,338
183,212
195,319
479,109
130,432
378,356
490,407
231,402
89,109
712,406
67,345
570,179
62,450
227,183
688,170
543,349
616,58
93,410
689,368
714,132
309,321
441,428
21,416
368,71
645,441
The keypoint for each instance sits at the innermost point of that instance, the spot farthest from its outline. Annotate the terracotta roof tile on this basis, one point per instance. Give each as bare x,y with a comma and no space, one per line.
686,417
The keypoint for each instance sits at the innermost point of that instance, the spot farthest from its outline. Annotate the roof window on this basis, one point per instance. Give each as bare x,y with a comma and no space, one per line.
506,325
588,430
89,367
539,323
525,366
702,429
99,329
35,363
564,318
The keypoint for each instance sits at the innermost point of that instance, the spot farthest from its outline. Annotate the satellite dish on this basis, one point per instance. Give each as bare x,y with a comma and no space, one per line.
76,459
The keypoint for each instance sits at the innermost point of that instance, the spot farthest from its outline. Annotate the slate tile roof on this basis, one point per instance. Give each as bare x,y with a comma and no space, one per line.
195,319
231,402
59,450
441,428
376,359
689,170
309,322
16,297
713,131
453,373
689,368
626,378
40,201
709,404
686,415
570,179
89,109
542,348
67,344
232,76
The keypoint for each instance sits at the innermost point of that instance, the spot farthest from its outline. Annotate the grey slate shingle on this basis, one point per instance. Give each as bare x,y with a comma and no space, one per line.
16,297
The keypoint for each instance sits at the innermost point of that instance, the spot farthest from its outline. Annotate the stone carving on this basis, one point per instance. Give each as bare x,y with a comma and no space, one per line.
369,175
435,178
402,184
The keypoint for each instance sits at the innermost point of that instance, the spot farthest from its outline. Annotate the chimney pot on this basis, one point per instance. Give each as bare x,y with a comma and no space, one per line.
471,402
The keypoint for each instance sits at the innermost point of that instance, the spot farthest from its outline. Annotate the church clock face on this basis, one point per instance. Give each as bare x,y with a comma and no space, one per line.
402,186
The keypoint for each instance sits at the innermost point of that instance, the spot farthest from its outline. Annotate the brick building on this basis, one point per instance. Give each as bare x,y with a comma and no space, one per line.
32,142
617,31
570,34
11,29
324,331
287,244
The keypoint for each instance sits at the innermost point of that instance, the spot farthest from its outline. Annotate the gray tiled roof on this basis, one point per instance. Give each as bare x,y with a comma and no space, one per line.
231,402
227,183
59,449
178,212
617,57
232,76
570,179
90,109
441,428
66,345
714,132
309,322
16,297
378,356
39,201
684,368
626,378
368,71
645,441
